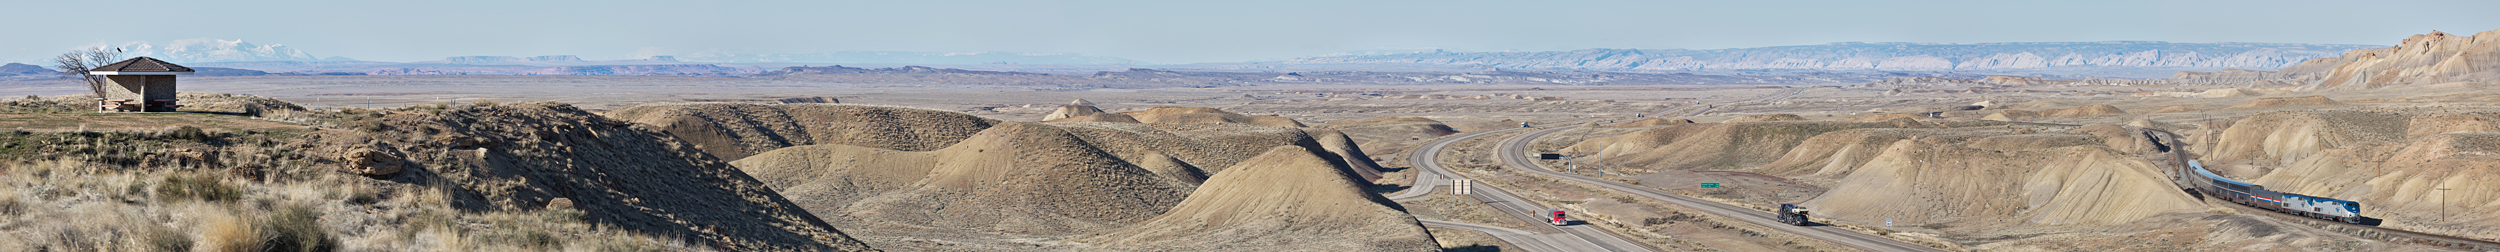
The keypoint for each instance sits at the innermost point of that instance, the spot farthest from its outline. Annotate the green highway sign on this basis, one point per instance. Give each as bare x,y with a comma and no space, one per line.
1709,185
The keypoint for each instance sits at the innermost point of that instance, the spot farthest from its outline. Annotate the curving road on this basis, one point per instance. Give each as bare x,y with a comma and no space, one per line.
1543,238
1517,148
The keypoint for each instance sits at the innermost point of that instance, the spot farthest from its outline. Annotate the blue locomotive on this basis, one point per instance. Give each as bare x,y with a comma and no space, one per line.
2257,196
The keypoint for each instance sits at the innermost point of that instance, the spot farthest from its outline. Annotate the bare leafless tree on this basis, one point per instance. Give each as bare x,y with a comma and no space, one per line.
74,65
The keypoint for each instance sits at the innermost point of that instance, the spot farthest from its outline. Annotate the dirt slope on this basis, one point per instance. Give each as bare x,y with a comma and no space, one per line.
1914,182
2083,111
2283,102
1287,199
1103,117
1652,122
1072,110
1836,154
2433,58
522,156
2395,176
1766,118
1714,146
2281,137
733,131
1024,178
1390,135
1338,144
1208,115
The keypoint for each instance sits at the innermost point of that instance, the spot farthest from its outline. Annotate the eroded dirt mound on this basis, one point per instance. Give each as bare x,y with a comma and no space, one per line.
2174,109
1915,182
1766,118
733,131
625,176
1103,117
1390,135
2226,93
1039,181
2032,141
2121,138
1337,143
2011,115
2283,102
2292,135
2433,124
1884,117
1207,146
1208,115
1835,154
1067,111
2083,111
2399,181
1287,199
1652,122
1022,178
1714,146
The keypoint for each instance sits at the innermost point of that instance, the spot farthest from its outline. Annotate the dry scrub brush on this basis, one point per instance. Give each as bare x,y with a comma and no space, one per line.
183,188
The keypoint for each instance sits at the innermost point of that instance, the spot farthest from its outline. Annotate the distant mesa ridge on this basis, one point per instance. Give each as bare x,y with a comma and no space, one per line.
1856,56
891,57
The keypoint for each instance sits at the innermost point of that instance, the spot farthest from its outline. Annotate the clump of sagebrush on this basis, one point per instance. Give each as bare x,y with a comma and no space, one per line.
197,187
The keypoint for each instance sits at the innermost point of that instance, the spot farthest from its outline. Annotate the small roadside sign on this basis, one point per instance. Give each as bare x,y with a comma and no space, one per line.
1709,185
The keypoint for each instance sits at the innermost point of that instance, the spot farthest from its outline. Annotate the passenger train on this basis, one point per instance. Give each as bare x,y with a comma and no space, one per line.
2257,196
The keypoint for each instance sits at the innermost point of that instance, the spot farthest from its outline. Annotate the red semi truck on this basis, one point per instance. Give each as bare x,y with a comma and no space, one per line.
1558,219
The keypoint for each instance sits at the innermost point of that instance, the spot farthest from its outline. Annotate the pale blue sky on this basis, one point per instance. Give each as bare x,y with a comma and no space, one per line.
1190,31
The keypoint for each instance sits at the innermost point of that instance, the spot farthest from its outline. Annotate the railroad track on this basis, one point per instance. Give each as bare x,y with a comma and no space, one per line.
2178,168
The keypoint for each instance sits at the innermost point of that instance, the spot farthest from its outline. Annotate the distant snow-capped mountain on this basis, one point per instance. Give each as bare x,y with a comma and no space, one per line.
204,50
962,58
1854,56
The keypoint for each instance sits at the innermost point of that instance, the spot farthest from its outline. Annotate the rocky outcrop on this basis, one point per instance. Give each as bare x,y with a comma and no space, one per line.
2432,58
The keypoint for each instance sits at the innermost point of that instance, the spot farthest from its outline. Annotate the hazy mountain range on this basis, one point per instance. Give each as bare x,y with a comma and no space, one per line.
2106,59
217,50
1852,56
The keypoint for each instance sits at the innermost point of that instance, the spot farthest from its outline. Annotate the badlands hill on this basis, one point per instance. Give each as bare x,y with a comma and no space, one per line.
1918,172
534,176
734,131
1390,135
2392,159
1714,146
1022,178
523,156
1208,115
1284,196
1044,181
1917,181
2433,58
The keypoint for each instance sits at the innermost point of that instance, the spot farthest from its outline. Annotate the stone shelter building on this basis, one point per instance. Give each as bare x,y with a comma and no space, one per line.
139,84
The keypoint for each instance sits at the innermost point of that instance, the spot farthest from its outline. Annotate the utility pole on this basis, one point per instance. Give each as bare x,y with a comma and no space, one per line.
2443,204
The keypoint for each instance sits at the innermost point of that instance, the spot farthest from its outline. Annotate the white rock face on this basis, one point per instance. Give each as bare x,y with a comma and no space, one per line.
1884,56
